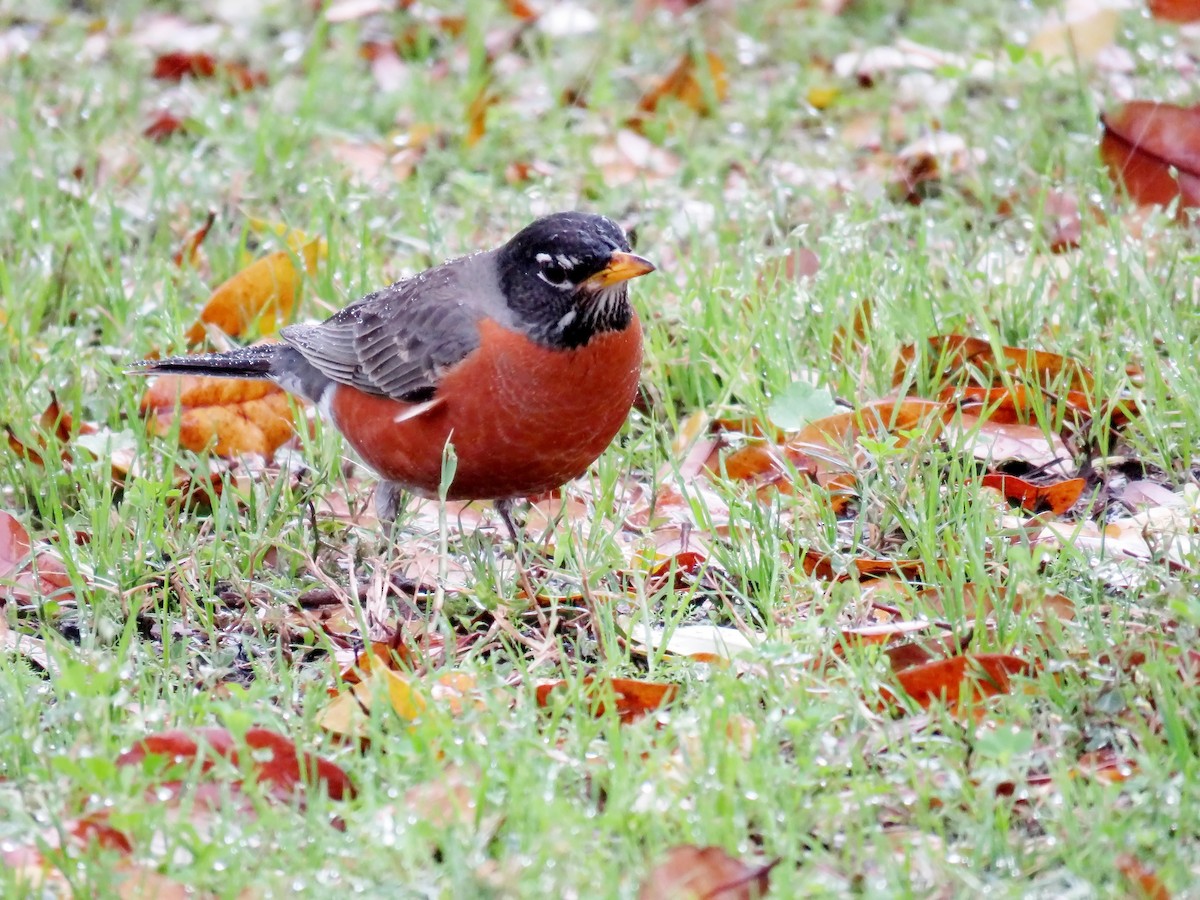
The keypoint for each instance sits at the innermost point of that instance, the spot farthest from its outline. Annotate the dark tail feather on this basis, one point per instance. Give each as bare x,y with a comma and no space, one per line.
245,362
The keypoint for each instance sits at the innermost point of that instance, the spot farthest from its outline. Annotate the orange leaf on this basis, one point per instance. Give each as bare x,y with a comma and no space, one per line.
263,294
873,420
686,85
477,114
1153,149
985,674
1181,11
689,871
822,566
231,416
1149,886
1037,498
955,358
634,699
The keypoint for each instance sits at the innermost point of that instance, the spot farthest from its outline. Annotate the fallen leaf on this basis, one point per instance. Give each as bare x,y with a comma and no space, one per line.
261,296
984,674
963,361
1077,31
191,247
932,160
1153,150
827,568
875,420
698,90
285,771
178,65
1180,11
230,416
632,699
1037,498
705,873
24,574
1145,882
162,125
975,600
703,643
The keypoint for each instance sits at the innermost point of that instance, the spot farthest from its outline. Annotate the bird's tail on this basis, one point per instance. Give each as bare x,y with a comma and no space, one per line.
245,362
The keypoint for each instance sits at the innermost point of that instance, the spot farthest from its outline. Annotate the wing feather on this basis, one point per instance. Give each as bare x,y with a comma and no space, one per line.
398,342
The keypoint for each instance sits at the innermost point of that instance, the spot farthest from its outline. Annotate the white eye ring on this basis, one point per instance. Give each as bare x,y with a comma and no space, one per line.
564,285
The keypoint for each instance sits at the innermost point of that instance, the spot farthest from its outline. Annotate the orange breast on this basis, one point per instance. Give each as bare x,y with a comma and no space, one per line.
522,418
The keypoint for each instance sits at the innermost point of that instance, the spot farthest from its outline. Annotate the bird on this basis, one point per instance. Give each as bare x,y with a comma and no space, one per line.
526,358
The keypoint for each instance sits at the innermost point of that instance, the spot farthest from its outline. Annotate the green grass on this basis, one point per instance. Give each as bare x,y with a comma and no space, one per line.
183,618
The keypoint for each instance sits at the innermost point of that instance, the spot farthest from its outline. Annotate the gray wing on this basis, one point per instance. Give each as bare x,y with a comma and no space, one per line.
398,342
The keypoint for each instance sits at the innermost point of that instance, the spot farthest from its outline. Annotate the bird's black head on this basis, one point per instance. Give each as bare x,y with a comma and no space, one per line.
564,276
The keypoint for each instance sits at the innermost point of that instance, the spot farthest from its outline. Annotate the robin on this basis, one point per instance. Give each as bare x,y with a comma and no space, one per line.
525,358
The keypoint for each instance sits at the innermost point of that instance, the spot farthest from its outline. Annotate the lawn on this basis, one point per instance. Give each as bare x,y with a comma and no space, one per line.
873,614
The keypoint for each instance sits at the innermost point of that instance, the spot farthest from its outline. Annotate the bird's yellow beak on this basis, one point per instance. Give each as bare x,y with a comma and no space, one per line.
621,267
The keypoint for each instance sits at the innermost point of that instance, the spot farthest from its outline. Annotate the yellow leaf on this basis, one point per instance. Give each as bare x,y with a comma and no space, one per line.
822,97
406,700
262,295
296,239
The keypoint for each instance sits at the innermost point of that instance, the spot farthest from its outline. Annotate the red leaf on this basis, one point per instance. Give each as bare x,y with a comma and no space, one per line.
178,65
163,125
1154,150
1181,11
285,772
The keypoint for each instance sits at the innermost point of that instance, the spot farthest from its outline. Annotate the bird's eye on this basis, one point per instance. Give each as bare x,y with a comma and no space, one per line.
555,276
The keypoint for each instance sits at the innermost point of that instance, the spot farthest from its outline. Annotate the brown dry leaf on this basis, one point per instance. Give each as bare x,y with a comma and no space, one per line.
1037,498
826,567
630,158
976,600
55,426
180,64
191,246
932,160
689,872
984,674
1153,149
1076,32
875,420
1024,404
1145,882
229,415
384,165
162,125
24,574
959,359
261,296
1181,11
477,111
632,699
994,442
687,84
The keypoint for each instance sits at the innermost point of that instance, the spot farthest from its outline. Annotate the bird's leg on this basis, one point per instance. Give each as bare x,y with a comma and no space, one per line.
388,496
504,508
